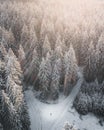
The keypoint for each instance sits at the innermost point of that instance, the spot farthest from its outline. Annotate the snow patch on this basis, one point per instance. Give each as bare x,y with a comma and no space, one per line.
53,116
51,113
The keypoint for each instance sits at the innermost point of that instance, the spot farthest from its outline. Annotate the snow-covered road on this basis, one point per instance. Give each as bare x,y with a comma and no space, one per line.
52,116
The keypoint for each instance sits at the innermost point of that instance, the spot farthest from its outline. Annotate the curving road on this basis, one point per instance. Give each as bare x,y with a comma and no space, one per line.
48,116
53,116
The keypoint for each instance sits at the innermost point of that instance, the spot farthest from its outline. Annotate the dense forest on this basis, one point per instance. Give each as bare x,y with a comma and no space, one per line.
45,45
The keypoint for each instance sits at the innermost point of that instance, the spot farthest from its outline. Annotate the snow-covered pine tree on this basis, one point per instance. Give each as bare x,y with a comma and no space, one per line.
54,59
10,120
75,37
14,89
4,43
55,80
81,103
71,69
21,56
28,59
16,27
33,44
33,69
7,38
33,38
58,51
47,28
90,99
100,58
68,35
30,43
3,76
68,126
8,115
46,47
3,52
42,35
51,32
90,66
60,43
84,48
10,39
43,30
13,67
36,64
25,36
44,75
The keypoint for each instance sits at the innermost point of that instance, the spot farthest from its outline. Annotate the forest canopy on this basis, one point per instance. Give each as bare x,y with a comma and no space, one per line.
45,44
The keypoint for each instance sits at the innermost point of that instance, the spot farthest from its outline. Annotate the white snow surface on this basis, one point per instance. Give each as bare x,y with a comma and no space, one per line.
53,116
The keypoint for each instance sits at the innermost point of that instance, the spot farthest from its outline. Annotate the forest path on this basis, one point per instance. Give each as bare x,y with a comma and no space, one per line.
48,116
53,116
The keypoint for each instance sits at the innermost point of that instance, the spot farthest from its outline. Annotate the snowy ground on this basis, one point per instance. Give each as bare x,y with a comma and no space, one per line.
52,116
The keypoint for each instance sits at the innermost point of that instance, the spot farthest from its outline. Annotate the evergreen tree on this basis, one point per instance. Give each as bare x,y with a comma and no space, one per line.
3,76
54,59
32,44
100,58
84,48
43,31
47,28
58,52
55,81
71,68
90,67
67,126
21,56
60,43
13,67
7,38
3,52
25,37
42,35
14,89
45,75
60,49
9,117
46,47
33,38
33,69
29,41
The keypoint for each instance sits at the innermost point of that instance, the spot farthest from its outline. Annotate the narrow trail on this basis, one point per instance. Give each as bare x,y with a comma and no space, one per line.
33,111
47,116
68,105
52,116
